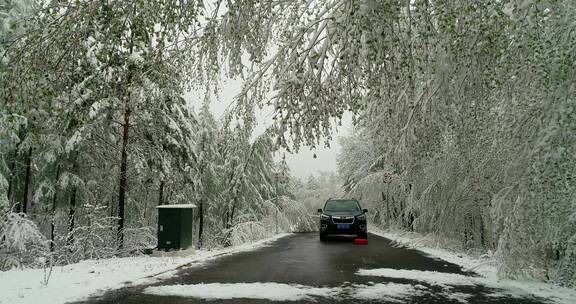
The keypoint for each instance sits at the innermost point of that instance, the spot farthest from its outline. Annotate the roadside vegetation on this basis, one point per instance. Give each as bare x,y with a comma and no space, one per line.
94,134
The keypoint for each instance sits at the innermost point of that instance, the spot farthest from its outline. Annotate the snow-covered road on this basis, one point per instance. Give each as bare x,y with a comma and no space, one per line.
299,268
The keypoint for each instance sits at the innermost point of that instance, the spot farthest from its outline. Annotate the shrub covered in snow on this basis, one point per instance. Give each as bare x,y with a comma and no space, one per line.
20,241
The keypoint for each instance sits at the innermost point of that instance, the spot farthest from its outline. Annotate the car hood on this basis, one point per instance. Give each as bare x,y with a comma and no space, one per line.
332,213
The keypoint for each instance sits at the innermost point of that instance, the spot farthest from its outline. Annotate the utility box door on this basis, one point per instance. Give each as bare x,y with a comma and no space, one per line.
175,226
186,228
169,229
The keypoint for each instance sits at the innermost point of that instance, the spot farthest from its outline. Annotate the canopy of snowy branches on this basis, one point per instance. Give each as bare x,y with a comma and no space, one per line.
464,113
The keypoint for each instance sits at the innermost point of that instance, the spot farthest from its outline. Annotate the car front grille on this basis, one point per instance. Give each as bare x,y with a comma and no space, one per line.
343,219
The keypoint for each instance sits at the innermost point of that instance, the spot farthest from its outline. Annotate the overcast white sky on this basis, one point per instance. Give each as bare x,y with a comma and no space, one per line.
303,163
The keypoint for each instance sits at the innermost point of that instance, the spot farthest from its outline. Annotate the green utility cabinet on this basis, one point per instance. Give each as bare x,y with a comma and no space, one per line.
175,226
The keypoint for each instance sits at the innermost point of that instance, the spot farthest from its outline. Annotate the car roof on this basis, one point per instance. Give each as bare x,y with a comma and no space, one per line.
342,199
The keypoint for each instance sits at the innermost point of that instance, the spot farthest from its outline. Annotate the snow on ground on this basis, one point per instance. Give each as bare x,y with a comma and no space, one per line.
501,287
78,281
430,277
226,291
458,296
485,266
390,292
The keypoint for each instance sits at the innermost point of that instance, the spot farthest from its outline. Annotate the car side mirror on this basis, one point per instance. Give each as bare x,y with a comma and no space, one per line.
319,210
365,210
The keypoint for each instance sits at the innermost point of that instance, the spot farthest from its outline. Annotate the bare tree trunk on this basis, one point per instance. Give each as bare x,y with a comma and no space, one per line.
71,216
112,213
276,202
27,181
233,209
237,188
54,197
200,222
482,232
112,205
161,194
124,157
385,197
145,220
395,209
227,212
12,179
202,197
123,177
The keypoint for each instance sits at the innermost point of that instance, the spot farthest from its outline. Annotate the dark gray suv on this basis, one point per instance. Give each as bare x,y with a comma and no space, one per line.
343,217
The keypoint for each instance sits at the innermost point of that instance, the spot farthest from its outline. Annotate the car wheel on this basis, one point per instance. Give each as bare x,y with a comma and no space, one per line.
322,237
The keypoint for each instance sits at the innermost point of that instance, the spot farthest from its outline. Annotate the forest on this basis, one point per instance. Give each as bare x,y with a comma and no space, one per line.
464,122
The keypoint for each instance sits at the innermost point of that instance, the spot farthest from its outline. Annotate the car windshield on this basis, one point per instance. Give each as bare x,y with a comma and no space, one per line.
342,206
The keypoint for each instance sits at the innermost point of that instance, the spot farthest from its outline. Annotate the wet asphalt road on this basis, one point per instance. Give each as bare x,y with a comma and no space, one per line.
303,259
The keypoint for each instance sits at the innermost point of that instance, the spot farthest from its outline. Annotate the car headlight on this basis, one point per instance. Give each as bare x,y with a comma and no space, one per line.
324,217
361,217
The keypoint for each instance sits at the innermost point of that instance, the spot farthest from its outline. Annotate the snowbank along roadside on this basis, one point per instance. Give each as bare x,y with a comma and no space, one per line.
485,266
78,281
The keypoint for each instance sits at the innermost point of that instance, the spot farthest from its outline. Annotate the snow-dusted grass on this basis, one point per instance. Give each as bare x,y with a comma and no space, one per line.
484,265
77,281
226,291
